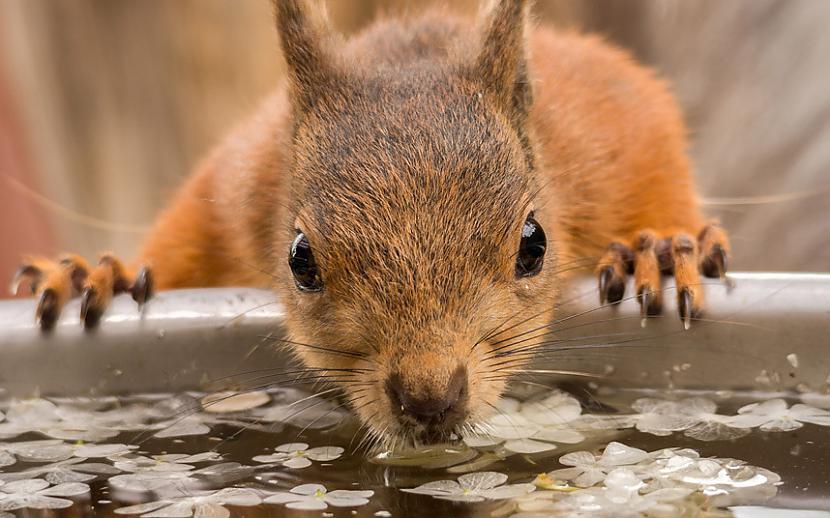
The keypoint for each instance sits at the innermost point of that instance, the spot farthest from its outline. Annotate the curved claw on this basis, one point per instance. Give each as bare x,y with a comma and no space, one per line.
611,287
48,309
650,303
684,306
26,271
715,264
605,276
90,310
143,287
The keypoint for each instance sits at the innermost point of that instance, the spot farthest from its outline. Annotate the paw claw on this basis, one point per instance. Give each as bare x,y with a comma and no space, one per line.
686,307
611,287
715,264
32,273
650,303
90,308
605,277
143,289
48,309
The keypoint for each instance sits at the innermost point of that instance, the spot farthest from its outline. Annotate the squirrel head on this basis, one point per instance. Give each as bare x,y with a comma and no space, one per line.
416,255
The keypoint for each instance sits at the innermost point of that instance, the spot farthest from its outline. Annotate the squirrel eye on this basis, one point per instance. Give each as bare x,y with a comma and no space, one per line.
531,254
303,265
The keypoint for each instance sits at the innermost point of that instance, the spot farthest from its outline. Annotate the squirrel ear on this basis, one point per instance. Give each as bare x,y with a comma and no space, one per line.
305,38
502,61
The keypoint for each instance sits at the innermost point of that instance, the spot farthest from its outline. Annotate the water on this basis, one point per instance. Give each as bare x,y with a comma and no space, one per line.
798,456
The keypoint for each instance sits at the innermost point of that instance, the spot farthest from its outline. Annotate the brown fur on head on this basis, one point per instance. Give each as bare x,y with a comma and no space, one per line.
412,176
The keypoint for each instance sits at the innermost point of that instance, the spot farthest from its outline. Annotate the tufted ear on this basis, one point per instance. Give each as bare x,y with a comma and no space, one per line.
502,61
305,38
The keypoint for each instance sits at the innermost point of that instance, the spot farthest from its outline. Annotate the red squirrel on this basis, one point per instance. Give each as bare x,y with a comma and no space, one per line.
417,196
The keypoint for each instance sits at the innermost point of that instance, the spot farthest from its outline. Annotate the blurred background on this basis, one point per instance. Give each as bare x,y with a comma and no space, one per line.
106,105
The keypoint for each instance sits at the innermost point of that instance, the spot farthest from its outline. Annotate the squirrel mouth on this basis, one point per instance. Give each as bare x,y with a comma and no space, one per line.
434,417
441,428
418,435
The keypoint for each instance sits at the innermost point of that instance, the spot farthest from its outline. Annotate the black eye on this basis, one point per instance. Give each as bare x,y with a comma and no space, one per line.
531,249
303,265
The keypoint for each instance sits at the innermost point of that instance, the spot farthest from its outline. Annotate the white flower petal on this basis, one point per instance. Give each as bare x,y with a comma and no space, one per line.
665,424
31,485
623,479
482,441
297,463
511,426
560,408
308,504
482,480
241,497
205,456
210,511
183,428
43,451
149,481
528,446
461,497
566,473
309,489
345,498
98,468
437,488
183,509
142,508
508,491
785,424
652,405
40,502
324,453
102,450
32,411
697,405
604,422
276,457
618,454
282,498
291,447
6,459
561,435
169,457
771,407
227,402
748,420
68,489
810,414
590,477
79,433
351,493
711,431
67,476
811,398
578,458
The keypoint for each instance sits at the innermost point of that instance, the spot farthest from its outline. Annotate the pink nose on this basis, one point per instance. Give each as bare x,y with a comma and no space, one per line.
439,411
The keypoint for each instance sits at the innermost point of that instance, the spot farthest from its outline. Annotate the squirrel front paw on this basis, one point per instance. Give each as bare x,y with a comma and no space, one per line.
650,255
55,282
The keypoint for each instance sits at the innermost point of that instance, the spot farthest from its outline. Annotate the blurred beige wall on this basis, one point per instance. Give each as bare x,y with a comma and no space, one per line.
116,100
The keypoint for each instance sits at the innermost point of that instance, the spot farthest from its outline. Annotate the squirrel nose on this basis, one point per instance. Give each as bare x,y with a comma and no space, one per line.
440,410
